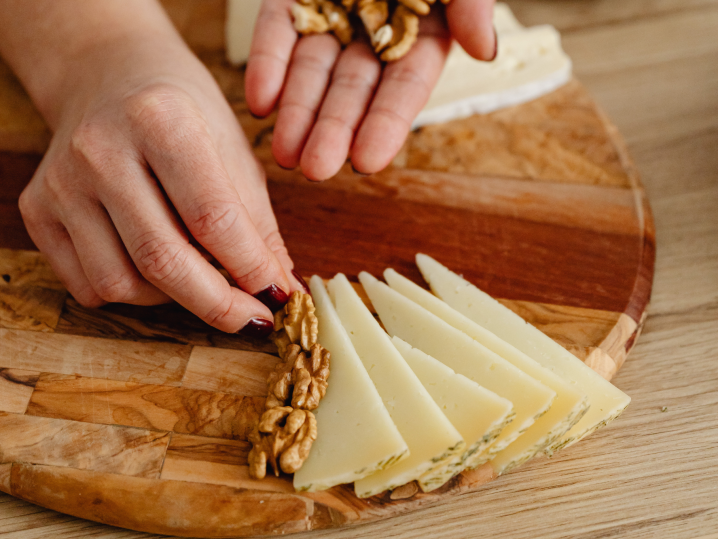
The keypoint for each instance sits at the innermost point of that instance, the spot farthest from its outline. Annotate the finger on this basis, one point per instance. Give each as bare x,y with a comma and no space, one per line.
403,91
309,73
352,85
272,43
249,178
180,150
108,267
162,253
471,24
51,237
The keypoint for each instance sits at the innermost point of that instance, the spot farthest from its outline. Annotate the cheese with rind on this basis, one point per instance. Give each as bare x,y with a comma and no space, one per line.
431,438
356,436
568,407
607,401
478,414
427,332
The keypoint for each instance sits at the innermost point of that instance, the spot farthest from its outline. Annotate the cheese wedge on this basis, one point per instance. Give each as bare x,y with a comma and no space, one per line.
478,414
607,401
431,438
430,334
356,436
239,28
568,407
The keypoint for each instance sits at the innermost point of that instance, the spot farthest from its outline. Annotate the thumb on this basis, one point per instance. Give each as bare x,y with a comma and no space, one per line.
471,24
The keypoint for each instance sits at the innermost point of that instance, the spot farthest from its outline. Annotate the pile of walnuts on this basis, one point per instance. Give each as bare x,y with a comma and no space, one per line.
287,428
392,25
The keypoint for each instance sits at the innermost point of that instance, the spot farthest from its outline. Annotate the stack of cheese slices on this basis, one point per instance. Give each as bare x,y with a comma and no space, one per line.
451,381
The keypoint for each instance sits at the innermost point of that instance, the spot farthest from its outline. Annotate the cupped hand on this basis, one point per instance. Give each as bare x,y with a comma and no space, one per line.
149,173
336,103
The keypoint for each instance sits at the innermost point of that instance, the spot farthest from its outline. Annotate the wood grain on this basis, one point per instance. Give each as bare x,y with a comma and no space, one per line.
31,308
103,358
146,406
132,502
555,155
16,387
37,440
229,371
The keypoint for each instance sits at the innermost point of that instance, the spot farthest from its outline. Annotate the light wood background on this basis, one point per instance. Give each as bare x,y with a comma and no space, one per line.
653,66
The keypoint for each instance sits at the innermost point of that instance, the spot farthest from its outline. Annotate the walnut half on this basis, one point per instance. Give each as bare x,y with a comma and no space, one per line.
282,439
287,429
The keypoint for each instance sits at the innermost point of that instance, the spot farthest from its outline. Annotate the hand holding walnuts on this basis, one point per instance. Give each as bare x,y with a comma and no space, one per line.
338,100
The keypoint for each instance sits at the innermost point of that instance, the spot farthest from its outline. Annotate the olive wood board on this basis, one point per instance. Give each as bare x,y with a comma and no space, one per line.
138,416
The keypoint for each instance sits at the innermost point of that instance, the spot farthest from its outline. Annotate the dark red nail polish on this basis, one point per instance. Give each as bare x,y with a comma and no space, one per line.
273,297
301,281
285,168
257,328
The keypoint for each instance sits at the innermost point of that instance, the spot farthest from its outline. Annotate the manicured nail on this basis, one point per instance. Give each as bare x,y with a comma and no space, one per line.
273,297
257,328
496,45
285,168
256,117
359,173
301,281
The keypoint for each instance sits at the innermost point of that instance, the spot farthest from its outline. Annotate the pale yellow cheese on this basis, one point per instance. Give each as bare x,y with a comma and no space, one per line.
430,334
356,436
607,401
239,28
431,438
568,407
478,414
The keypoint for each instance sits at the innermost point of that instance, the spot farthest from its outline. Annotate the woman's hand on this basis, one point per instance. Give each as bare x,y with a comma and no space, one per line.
334,103
147,174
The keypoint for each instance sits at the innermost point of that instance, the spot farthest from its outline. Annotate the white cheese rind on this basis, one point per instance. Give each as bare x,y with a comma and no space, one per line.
529,64
607,401
568,407
239,28
356,436
431,438
423,330
477,413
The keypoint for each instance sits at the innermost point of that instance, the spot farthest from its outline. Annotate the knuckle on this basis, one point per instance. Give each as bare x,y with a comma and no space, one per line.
164,111
162,261
254,265
216,316
87,297
275,243
117,288
210,221
87,144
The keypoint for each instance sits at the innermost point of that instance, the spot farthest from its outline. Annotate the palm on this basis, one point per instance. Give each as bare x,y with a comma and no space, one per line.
334,103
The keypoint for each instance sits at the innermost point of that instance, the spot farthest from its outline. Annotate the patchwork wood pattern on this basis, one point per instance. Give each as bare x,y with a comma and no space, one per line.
138,416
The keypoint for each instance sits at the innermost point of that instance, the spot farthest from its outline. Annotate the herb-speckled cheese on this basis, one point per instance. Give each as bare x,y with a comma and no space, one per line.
478,414
568,407
431,438
423,330
356,436
607,401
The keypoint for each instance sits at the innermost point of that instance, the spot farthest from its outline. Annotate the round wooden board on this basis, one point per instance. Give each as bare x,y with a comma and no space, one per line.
138,417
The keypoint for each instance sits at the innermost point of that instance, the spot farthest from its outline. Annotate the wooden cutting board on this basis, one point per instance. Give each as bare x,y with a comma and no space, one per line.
138,417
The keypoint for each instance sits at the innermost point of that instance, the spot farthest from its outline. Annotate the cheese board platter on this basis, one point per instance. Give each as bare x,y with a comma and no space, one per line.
140,417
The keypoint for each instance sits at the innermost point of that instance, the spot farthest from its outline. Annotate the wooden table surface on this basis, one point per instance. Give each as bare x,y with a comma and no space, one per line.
653,66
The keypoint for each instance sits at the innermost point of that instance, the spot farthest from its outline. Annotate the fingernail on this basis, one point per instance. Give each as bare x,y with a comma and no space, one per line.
285,168
273,297
257,328
256,117
496,45
359,173
301,281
